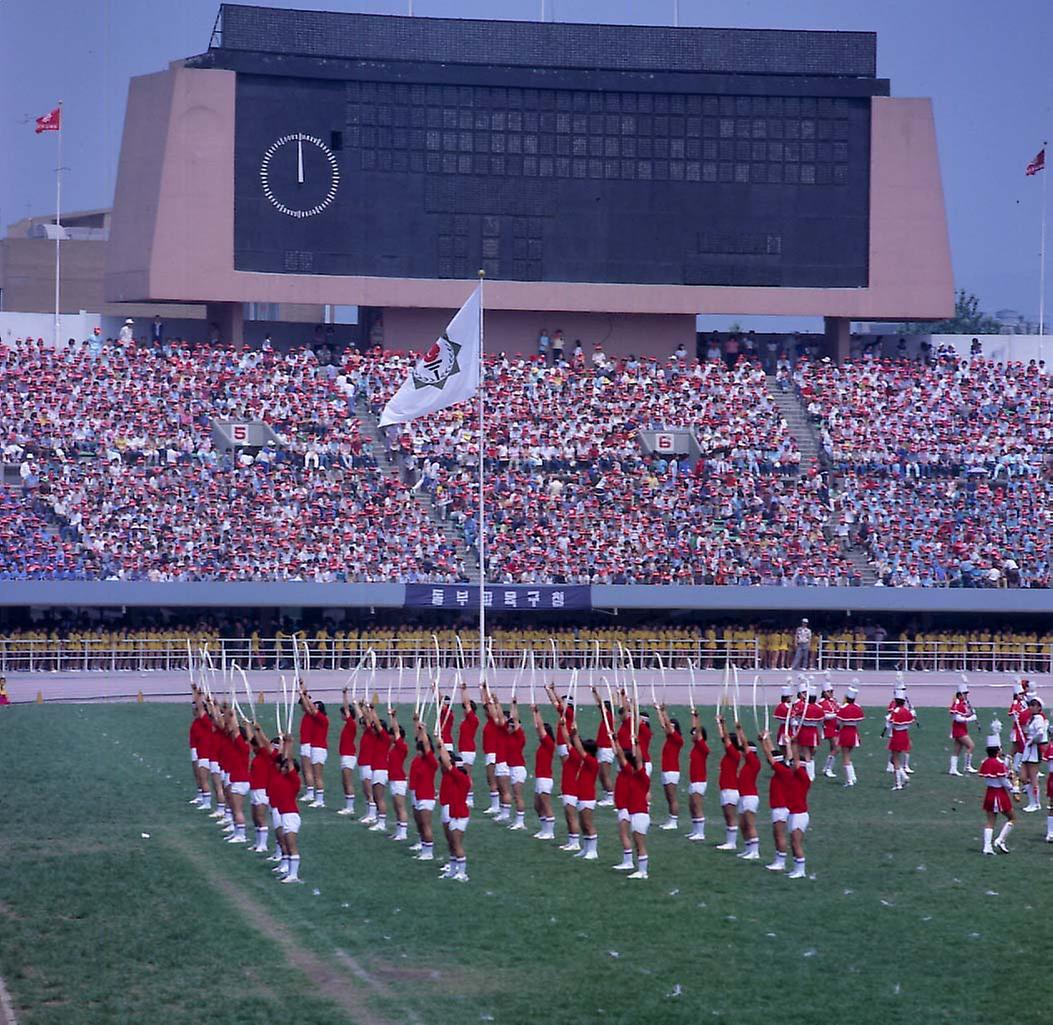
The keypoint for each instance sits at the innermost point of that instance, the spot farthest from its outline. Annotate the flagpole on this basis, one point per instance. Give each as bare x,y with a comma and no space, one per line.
1042,260
482,504
58,224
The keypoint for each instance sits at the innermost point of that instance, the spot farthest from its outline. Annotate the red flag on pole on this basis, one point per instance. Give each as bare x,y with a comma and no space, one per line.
1038,164
51,122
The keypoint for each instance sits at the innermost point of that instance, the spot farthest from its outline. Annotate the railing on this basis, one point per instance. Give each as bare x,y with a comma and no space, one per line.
168,654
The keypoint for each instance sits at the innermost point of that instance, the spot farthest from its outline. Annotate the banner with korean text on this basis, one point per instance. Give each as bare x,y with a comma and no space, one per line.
500,597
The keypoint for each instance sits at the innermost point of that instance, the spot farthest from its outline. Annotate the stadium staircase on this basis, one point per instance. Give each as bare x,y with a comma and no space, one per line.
807,437
389,462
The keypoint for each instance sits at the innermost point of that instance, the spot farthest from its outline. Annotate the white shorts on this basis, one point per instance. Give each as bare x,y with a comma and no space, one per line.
780,814
225,777
319,755
698,788
204,763
491,758
241,787
749,803
461,825
518,773
348,761
562,750
799,821
365,773
213,767
605,755
468,757
729,797
380,777
502,769
398,787
305,751
569,800
259,797
445,814
276,818
587,805
428,805
543,785
623,815
641,822
193,755
670,777
291,822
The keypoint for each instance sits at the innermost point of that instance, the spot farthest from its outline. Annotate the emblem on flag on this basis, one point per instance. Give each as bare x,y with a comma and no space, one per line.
50,122
1038,164
437,365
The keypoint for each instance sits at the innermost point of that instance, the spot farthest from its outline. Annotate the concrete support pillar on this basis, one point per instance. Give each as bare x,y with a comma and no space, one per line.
838,338
228,319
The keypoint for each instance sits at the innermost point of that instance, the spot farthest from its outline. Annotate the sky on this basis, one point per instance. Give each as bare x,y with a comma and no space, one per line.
987,68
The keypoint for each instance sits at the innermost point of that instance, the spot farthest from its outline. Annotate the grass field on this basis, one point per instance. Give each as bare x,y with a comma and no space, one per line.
98,924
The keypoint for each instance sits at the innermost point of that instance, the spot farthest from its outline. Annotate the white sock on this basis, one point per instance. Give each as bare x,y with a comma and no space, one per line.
642,863
519,817
284,864
471,798
988,837
850,772
698,827
460,866
309,795
1035,800
906,760
495,800
809,767
222,807
798,864
627,857
573,838
753,846
829,763
349,802
427,848
400,830
592,845
262,841
608,795
549,826
954,763
320,797
1007,828
382,821
780,858
1049,825
372,810
732,835
239,831
506,811
294,866
968,762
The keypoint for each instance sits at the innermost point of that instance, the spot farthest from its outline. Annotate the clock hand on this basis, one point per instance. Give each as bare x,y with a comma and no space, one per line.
299,161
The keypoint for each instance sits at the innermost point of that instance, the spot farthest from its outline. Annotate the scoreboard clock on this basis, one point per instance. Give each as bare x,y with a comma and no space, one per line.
316,176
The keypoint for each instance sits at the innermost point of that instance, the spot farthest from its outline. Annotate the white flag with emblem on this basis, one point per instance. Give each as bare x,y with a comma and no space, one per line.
447,373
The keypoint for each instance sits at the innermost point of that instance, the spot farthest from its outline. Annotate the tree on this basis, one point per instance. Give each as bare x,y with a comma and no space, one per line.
968,319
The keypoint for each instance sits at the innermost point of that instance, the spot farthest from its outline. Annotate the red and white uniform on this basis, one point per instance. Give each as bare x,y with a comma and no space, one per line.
365,753
1018,715
849,716
458,784
491,740
446,726
747,782
671,749
829,707
811,723
546,748
588,770
996,797
568,783
397,764
638,799
259,776
625,734
696,761
900,720
728,777
603,735
347,742
422,770
780,712
962,714
238,761
644,740
466,732
514,747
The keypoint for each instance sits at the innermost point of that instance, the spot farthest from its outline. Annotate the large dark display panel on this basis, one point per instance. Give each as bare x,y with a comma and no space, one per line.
409,179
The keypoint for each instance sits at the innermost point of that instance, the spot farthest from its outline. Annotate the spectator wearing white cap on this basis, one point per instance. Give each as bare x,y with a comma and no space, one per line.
995,771
802,643
849,716
127,335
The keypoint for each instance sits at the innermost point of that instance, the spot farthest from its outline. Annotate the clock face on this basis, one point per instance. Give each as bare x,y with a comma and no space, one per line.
299,175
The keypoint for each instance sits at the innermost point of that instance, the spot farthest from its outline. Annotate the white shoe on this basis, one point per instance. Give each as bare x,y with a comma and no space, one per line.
346,811
636,875
775,867
546,836
909,771
607,802
197,801
972,771
954,773
1032,807
697,837
829,774
425,857
623,867
280,870
670,824
580,854
540,835
1049,838
491,811
460,877
516,825
275,857
399,838
727,847
237,839
415,847
796,874
1000,846
988,850
591,856
850,784
290,879
888,767
377,828
750,856
502,818
571,847
898,786
217,814
316,804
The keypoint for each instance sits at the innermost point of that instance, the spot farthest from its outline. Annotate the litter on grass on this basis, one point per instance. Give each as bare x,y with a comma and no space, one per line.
317,893
675,991
145,836
895,989
614,953
673,893
770,935
992,893
888,903
810,952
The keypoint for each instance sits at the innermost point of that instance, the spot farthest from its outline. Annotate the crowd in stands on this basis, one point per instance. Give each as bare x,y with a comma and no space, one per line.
73,645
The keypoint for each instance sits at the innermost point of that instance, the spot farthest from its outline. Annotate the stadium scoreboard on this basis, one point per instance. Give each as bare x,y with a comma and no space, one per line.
371,145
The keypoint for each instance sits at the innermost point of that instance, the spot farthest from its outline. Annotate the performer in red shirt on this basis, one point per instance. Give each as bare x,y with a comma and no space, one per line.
780,811
314,711
306,733
1018,709
782,711
458,783
697,778
502,770
366,744
729,787
546,748
466,739
808,731
671,748
446,722
491,735
380,746
900,720
995,773
749,800
849,716
348,756
422,774
200,750
605,750
568,786
588,770
397,774
238,746
286,789
259,774
795,784
829,706
961,713
638,790
515,744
